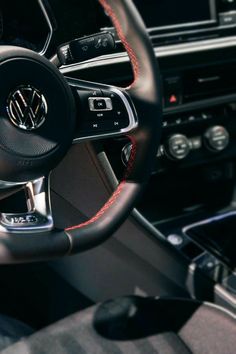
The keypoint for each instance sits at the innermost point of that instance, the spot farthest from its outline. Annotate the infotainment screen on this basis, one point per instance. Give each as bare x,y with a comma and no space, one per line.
166,13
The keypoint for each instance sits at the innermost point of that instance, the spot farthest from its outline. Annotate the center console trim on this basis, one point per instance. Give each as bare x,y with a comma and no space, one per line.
50,27
207,221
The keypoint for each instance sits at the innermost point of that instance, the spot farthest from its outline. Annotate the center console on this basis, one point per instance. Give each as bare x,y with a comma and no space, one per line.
209,244
191,196
199,116
217,235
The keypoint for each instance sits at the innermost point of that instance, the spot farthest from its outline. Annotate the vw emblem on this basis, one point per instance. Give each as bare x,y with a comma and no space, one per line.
27,108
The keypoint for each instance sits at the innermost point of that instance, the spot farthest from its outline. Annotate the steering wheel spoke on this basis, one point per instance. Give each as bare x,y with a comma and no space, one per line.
103,111
38,217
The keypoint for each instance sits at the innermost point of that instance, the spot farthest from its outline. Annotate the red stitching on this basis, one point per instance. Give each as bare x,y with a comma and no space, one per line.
110,202
121,35
135,65
117,192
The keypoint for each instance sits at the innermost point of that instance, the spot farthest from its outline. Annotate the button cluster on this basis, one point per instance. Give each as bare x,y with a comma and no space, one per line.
101,111
190,118
178,146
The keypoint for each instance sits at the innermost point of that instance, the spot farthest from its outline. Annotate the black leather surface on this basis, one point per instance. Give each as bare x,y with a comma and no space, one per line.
18,248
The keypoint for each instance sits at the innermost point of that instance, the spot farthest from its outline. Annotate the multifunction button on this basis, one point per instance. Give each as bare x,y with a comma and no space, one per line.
100,104
103,111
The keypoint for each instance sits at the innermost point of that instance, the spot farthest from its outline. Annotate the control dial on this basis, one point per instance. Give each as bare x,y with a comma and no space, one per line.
177,147
217,138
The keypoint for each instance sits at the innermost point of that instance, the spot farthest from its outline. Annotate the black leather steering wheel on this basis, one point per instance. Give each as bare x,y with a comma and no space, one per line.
46,112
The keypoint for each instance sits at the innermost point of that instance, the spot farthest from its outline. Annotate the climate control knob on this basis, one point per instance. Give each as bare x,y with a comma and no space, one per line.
177,147
217,138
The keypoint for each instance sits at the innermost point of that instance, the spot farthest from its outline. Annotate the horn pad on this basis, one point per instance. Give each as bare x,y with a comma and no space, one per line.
37,115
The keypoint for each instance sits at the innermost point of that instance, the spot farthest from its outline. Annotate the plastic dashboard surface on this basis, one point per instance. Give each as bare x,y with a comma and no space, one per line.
24,23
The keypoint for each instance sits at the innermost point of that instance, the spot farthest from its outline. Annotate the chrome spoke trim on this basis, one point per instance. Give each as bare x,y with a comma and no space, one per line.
50,26
39,216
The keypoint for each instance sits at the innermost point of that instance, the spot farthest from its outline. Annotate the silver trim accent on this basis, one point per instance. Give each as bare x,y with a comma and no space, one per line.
71,241
184,25
207,221
208,79
39,215
175,240
49,38
6,184
225,295
125,154
221,308
133,119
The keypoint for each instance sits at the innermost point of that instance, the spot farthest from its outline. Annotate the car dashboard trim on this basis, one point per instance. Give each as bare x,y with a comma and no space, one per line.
50,26
160,52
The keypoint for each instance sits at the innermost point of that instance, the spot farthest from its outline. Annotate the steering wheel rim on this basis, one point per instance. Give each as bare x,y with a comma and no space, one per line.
145,95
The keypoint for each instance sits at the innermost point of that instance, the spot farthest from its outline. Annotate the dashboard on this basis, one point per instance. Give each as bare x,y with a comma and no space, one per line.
194,43
36,24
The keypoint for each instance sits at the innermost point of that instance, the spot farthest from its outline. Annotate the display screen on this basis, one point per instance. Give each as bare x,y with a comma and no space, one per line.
165,13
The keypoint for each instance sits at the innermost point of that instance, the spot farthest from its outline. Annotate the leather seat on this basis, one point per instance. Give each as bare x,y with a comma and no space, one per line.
137,325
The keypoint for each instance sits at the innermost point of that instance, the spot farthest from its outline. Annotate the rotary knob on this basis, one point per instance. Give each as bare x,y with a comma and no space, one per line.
177,147
217,138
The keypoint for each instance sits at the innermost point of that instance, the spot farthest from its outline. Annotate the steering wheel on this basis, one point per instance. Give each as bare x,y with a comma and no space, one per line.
43,113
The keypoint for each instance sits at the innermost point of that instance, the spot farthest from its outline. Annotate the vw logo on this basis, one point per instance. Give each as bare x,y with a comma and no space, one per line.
27,108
